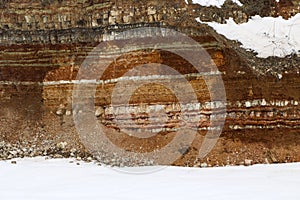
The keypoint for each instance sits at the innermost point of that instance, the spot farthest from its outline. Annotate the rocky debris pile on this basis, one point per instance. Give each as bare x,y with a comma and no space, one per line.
10,151
20,150
114,160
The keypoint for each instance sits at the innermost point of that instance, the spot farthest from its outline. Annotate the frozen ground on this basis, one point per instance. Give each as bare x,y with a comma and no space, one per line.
58,179
267,36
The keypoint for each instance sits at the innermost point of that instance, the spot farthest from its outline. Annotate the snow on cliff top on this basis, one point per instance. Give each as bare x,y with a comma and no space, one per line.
217,3
267,36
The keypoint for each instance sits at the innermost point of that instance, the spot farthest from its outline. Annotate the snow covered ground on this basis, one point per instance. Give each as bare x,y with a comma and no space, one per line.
267,36
217,3
38,178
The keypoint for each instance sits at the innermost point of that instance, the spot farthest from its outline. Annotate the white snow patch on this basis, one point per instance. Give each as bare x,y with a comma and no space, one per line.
237,2
267,36
217,3
35,179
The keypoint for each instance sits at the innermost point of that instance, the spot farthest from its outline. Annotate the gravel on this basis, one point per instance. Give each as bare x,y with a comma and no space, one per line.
10,151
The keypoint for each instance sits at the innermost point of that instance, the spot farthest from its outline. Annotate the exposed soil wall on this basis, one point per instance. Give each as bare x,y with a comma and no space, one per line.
42,47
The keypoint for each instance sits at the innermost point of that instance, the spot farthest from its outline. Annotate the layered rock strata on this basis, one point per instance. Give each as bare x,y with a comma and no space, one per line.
44,43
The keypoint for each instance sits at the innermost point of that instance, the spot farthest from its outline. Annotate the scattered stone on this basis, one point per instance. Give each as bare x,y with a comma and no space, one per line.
68,112
248,162
62,145
73,150
57,156
78,159
61,110
99,111
203,165
89,159
13,162
50,150
14,153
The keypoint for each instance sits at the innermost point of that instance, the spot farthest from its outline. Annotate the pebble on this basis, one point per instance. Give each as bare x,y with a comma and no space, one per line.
203,165
248,162
73,150
62,145
89,159
78,159
99,112
68,112
60,112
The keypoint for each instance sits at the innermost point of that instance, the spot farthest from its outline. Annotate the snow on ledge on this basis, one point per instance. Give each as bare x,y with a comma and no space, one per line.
217,3
267,36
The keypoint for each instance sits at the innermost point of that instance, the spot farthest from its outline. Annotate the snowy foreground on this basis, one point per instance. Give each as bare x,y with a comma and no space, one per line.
58,179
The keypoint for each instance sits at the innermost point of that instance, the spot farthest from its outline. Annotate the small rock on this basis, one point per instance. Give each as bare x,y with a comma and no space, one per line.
78,158
203,165
89,159
61,110
13,153
62,145
73,150
248,162
13,162
248,104
99,111
57,156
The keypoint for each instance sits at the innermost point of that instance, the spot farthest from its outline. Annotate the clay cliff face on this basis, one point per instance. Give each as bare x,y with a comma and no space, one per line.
44,43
